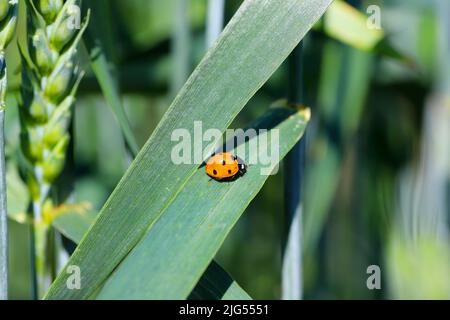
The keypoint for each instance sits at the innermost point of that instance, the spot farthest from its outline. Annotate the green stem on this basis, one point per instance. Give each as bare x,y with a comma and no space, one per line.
3,213
180,44
293,182
43,274
214,25
3,217
43,279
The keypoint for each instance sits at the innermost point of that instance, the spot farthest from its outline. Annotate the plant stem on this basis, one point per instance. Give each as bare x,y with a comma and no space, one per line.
181,47
214,24
294,168
39,234
40,243
3,217
3,213
9,11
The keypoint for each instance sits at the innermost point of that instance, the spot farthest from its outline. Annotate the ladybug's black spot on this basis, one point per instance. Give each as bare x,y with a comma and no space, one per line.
223,162
215,172
229,171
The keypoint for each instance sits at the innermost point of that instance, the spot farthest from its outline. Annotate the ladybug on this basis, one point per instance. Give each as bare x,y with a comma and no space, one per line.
225,167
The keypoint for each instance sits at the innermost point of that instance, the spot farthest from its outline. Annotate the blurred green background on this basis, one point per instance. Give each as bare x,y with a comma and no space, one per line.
378,151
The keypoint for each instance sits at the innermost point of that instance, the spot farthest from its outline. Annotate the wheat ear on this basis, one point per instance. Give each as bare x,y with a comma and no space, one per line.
49,83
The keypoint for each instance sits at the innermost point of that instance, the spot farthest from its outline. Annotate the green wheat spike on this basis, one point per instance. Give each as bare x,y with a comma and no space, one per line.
49,82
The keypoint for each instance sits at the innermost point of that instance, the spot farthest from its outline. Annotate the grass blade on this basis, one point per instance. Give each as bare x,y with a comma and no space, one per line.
215,283
293,186
228,76
350,26
206,288
74,225
100,66
201,216
104,73
181,46
3,189
3,215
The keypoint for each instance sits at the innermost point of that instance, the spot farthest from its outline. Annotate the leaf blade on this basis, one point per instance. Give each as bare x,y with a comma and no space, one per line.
347,24
215,283
107,83
98,41
198,221
74,225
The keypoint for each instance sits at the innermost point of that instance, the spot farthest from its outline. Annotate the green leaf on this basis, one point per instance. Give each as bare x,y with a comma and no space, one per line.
198,221
74,225
350,26
17,195
320,189
100,66
104,72
215,283
417,269
345,23
253,45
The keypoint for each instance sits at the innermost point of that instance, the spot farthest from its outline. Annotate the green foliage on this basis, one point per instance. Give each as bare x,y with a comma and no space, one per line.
8,22
347,24
226,79
376,172
104,72
215,283
418,270
200,216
